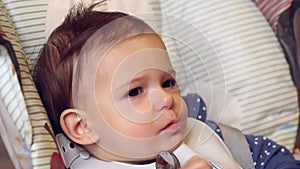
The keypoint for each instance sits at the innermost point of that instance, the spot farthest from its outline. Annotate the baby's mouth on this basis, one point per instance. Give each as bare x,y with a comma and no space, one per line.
173,126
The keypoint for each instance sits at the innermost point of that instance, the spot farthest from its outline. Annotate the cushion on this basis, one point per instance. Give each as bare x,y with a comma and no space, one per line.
272,10
230,44
10,90
42,144
29,18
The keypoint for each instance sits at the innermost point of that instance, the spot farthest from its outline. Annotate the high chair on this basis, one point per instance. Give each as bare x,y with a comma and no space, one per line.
266,29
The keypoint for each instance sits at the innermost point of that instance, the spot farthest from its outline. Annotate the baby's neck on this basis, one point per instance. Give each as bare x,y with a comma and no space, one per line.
141,162
101,154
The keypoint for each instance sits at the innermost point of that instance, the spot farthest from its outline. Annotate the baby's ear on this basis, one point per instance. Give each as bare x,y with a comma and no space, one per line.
75,127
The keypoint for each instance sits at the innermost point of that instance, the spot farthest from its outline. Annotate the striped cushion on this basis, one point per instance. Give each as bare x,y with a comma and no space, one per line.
29,18
272,10
15,127
42,145
10,91
133,7
230,44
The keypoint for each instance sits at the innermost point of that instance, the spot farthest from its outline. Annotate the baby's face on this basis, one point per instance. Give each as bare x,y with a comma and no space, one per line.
138,98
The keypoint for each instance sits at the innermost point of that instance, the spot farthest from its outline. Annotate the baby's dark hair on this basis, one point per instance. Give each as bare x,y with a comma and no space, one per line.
56,63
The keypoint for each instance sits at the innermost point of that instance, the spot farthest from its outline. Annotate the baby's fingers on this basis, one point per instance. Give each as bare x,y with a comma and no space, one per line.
196,162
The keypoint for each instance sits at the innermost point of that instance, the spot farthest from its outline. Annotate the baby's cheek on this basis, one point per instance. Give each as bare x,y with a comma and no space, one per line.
140,104
182,107
142,131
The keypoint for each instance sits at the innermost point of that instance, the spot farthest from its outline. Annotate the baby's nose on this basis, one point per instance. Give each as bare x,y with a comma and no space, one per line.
160,99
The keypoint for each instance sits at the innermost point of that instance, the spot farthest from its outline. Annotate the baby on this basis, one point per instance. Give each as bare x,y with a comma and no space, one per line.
107,84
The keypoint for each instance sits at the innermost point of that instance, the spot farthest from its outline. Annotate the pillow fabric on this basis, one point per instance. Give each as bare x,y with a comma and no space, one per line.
133,7
33,21
272,9
15,127
231,45
42,144
29,18
10,91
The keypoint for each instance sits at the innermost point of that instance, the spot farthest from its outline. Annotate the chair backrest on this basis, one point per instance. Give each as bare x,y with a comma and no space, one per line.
31,119
231,45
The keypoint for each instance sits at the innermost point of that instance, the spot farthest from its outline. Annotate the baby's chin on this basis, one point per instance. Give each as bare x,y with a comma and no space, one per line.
145,159
176,146
133,150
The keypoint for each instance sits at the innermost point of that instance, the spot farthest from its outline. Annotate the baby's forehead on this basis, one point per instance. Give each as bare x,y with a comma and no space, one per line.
148,58
139,51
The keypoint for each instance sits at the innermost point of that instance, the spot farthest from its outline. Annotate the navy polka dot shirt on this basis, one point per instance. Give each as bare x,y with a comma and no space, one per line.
266,154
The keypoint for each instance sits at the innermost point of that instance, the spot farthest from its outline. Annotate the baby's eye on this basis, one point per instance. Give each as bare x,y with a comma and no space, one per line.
134,92
169,83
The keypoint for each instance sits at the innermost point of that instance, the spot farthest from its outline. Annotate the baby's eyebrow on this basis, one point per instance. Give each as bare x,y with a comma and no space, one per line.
126,84
171,72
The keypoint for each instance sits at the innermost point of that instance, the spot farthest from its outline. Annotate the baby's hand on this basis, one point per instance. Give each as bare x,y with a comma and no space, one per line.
196,162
